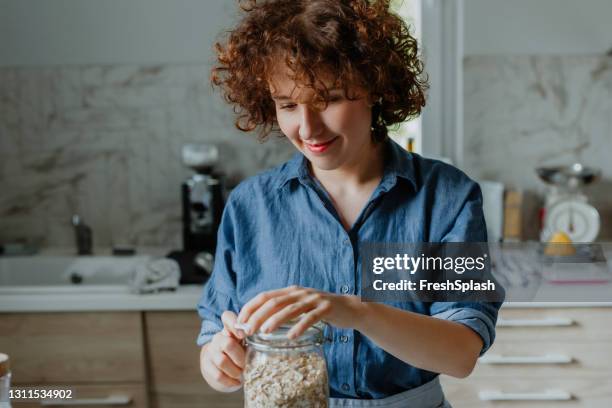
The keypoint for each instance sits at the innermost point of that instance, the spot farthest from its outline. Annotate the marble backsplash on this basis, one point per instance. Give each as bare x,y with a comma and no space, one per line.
522,112
105,142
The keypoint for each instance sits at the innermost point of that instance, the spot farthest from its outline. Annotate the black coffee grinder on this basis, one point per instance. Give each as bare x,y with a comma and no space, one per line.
203,201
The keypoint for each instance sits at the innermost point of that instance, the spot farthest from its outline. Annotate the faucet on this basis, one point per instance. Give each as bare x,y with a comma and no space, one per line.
83,235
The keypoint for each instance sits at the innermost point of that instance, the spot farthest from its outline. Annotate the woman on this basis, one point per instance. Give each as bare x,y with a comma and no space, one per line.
332,75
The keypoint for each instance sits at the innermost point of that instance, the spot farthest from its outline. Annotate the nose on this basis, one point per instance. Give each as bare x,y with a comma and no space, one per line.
310,123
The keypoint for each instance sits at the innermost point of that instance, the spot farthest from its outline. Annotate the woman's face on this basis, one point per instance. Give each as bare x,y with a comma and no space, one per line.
335,137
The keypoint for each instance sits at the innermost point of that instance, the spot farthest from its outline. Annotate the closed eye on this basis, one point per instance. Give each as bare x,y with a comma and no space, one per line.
291,106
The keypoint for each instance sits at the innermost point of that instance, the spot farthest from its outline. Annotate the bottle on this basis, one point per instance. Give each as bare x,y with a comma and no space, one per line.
410,144
83,236
5,381
283,372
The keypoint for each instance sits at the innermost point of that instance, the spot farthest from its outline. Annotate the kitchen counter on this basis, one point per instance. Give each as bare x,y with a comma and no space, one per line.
106,297
548,305
184,298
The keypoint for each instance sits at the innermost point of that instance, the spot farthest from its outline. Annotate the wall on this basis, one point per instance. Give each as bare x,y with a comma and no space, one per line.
68,32
96,100
538,91
537,27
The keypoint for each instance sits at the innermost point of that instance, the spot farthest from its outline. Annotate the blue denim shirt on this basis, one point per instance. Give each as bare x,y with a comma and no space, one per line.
280,228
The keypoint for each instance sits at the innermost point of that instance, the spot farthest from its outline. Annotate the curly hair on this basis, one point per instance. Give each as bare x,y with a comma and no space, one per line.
359,42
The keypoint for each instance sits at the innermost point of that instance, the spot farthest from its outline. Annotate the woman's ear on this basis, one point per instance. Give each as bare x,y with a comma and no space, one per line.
372,102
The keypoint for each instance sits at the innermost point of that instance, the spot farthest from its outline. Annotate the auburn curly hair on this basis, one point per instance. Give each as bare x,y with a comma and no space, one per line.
359,42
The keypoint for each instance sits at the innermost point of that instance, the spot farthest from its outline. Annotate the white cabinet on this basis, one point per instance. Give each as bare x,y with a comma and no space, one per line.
99,356
542,357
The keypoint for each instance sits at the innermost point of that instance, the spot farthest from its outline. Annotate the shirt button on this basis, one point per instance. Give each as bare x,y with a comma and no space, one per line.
345,289
344,339
346,387
347,241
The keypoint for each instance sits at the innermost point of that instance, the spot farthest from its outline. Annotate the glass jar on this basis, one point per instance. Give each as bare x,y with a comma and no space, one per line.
5,381
282,372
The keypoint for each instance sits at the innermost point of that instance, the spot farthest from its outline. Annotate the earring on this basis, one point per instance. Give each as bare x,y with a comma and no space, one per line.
377,121
378,102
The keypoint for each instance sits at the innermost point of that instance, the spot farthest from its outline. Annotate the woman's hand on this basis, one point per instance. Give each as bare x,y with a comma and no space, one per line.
269,310
222,359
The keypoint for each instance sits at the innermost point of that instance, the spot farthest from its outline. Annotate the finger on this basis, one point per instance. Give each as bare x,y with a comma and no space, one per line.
226,365
229,319
271,307
308,320
220,377
255,303
234,351
290,312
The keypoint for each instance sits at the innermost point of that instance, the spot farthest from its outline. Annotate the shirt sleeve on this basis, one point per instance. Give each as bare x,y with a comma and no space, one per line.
219,293
478,316
470,226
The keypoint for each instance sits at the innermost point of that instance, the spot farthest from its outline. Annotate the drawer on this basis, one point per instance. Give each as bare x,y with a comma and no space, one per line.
544,325
555,359
176,381
73,347
99,396
193,398
584,393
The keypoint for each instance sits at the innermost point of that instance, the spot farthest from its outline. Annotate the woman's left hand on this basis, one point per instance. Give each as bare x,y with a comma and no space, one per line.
269,310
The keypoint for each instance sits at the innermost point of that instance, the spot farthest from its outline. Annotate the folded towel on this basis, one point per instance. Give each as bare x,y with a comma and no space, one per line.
158,275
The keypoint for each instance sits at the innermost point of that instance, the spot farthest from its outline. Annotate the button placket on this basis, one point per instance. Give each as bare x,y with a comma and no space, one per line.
345,289
345,284
344,355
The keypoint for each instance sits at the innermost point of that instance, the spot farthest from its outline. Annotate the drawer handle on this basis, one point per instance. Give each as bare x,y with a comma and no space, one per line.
548,322
548,395
110,400
545,359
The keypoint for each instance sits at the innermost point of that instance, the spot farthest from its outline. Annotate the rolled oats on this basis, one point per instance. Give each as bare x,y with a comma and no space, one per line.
286,380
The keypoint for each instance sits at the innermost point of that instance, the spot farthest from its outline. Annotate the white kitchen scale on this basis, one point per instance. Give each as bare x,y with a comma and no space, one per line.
567,208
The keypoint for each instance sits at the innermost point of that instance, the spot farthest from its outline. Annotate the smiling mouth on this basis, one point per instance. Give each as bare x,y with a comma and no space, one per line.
319,147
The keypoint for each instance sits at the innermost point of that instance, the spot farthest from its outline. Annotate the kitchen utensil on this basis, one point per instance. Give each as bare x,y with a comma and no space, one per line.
567,209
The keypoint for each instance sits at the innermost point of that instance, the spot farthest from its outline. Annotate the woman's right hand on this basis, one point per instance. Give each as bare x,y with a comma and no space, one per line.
222,359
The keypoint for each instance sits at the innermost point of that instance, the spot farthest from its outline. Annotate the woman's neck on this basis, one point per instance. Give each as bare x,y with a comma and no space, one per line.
366,169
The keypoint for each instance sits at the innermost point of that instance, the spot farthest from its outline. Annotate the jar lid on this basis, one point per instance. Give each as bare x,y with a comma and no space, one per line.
312,336
4,365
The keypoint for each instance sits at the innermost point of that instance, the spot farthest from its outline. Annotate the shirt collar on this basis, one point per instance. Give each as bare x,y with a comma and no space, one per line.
295,168
398,163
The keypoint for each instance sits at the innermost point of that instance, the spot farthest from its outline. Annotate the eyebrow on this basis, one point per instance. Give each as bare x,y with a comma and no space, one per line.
288,98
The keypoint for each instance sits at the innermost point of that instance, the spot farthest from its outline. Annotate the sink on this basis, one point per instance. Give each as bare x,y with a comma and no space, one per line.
48,273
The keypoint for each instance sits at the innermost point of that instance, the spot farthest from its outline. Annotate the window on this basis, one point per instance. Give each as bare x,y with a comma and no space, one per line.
410,11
